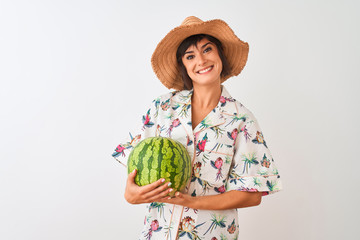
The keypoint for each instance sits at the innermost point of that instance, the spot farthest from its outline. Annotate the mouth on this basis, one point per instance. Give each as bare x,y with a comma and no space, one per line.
205,70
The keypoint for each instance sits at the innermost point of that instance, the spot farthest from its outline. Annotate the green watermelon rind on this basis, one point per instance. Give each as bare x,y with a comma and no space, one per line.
152,160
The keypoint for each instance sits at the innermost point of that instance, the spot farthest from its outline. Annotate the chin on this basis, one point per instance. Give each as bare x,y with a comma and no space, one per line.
206,82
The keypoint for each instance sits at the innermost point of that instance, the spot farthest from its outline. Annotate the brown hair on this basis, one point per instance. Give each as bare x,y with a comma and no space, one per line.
192,41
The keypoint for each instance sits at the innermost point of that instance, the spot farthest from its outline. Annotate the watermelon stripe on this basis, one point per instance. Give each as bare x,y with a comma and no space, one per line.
182,167
154,162
173,168
142,164
139,164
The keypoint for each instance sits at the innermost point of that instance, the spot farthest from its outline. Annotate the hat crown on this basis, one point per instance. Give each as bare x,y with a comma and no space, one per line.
192,20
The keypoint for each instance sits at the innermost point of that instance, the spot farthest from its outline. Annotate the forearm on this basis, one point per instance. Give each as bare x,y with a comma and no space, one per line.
228,200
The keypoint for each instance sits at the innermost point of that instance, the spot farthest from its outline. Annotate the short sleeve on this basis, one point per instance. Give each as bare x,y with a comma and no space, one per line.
145,128
253,167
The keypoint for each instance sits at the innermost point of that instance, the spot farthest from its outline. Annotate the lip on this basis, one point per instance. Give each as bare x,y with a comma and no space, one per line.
208,69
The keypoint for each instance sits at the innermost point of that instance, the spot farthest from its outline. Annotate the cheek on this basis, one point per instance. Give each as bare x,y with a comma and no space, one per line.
220,64
220,67
188,68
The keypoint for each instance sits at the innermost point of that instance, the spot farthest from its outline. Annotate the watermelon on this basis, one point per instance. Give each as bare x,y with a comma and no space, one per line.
160,157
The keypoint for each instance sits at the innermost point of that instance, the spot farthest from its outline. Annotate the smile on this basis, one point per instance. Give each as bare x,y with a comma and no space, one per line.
205,70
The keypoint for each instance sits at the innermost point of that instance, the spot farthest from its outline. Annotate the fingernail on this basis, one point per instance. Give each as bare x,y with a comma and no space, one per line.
177,194
133,170
169,184
162,180
170,190
169,198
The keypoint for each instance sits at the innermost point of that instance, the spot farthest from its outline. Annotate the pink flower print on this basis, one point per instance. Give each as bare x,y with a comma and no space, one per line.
245,189
175,123
218,164
234,133
223,101
220,189
147,120
200,147
120,149
154,225
246,133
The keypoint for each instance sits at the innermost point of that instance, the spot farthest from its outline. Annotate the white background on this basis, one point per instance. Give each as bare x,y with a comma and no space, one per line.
75,75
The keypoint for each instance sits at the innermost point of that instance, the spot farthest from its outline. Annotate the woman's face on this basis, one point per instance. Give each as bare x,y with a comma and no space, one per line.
202,63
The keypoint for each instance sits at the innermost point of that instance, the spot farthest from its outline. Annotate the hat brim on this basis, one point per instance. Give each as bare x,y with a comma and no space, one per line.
164,61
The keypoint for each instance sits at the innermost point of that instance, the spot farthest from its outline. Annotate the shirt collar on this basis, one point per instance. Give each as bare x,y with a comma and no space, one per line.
182,107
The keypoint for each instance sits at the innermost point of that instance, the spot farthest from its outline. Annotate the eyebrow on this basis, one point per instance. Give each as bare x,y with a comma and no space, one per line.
201,47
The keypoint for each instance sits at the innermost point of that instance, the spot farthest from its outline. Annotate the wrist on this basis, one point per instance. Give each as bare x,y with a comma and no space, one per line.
194,202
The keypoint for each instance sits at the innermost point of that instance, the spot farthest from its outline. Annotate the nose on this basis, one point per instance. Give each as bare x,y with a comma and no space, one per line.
201,60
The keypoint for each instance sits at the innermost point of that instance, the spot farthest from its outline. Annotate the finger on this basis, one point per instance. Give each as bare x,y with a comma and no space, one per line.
163,196
132,175
152,186
131,178
165,200
160,191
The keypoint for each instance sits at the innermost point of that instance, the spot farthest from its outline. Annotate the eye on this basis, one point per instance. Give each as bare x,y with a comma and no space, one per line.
207,49
189,57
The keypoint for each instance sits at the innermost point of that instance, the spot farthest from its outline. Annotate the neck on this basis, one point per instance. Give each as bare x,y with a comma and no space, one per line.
206,96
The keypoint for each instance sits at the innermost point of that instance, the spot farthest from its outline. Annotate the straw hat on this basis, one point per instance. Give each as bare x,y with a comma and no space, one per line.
164,61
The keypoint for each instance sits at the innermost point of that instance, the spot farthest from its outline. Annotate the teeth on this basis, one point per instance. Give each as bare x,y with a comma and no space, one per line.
205,70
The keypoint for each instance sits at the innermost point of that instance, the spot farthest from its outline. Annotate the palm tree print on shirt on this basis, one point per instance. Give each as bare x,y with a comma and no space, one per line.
249,159
216,221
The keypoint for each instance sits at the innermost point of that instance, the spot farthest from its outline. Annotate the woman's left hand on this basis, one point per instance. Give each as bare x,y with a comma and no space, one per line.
180,199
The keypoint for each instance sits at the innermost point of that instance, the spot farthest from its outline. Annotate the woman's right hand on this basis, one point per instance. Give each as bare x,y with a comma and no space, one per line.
152,192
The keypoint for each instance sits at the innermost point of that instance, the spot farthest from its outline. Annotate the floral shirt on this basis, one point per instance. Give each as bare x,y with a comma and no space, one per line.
228,152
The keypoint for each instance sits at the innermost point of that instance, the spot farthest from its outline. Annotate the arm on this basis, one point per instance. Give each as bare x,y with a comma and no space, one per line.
228,200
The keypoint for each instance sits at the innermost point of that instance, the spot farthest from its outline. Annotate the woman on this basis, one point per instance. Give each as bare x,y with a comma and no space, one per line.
232,166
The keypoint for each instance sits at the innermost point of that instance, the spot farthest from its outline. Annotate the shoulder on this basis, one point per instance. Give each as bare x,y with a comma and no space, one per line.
164,102
237,109
243,110
177,96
